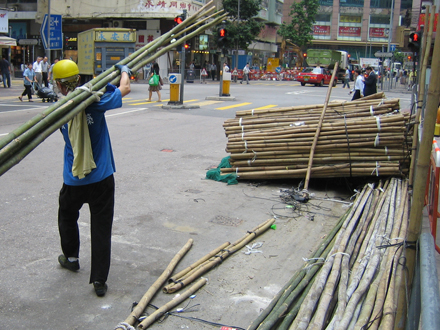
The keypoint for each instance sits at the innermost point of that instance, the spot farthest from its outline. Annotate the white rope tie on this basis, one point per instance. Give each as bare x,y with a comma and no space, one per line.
376,140
242,129
376,169
239,122
312,259
386,150
378,122
245,146
253,112
236,170
124,326
381,102
371,110
343,253
88,88
242,136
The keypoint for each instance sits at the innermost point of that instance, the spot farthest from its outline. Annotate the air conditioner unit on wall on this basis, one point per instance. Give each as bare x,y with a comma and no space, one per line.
118,24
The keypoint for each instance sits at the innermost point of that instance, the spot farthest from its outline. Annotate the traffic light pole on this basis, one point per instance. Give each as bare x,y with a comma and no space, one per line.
221,74
182,65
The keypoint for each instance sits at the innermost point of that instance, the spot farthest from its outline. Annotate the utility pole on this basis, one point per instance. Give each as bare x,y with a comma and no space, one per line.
182,64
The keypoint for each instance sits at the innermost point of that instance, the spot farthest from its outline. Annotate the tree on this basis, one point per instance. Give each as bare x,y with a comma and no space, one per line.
398,56
299,30
241,31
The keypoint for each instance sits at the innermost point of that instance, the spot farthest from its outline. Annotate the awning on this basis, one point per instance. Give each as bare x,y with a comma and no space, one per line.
6,41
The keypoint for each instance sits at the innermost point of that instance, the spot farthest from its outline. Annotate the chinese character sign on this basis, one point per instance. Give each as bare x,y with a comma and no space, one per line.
4,21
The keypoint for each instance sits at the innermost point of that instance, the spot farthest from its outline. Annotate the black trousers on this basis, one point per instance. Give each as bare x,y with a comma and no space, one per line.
45,79
27,91
101,199
357,95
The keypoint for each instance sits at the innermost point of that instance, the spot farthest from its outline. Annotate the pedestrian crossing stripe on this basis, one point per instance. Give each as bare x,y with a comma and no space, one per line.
234,106
266,107
203,103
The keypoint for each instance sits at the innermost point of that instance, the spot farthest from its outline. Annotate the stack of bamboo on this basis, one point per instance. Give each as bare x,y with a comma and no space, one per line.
358,138
20,142
353,280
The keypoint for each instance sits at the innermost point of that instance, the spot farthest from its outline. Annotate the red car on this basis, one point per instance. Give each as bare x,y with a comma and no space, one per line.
315,76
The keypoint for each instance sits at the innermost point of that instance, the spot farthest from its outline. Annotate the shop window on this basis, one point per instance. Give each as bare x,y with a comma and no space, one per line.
326,2
381,4
351,3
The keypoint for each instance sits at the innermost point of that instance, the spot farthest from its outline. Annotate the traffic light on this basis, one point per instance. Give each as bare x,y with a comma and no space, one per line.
179,19
414,41
305,55
409,58
222,35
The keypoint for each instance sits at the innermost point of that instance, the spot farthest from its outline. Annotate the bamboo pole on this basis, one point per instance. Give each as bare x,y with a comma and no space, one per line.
16,152
140,307
174,302
217,259
423,159
421,95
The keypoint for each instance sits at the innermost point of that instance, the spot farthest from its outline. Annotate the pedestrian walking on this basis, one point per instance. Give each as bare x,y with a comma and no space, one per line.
346,79
155,88
5,68
235,74
213,70
246,71
225,67
358,85
29,78
44,71
203,75
370,82
88,175
38,70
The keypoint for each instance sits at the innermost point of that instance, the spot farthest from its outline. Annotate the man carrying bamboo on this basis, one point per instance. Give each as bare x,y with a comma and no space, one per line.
88,174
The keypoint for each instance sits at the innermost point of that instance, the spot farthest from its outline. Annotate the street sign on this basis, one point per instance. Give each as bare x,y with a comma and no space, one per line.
383,54
54,25
392,48
174,78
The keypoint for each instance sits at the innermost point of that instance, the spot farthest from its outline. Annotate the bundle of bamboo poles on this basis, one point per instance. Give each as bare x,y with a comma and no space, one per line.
358,138
194,271
20,142
354,278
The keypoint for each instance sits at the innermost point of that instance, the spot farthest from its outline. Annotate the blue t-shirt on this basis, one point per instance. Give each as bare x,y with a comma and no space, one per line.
100,139
30,74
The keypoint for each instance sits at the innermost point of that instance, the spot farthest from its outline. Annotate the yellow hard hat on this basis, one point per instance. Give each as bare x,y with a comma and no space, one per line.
64,70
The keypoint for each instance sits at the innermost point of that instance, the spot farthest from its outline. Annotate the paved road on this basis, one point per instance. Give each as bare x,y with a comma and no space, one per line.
162,200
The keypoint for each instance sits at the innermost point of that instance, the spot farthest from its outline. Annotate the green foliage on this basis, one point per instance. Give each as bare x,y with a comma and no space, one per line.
241,31
399,56
299,30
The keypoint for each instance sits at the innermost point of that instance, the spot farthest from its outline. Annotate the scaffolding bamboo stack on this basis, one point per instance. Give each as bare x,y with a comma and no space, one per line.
358,138
352,280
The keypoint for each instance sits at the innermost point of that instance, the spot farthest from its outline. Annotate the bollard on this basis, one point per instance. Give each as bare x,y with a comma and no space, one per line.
226,83
175,81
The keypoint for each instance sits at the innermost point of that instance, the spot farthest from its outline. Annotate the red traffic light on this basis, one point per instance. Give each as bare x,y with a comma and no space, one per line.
178,19
186,46
409,58
222,33
305,55
349,55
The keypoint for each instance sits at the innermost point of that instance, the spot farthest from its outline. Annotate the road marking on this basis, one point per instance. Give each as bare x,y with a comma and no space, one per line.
125,112
266,107
234,106
207,103
161,103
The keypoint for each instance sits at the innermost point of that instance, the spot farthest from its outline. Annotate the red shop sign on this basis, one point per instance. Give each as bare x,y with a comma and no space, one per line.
321,30
422,22
349,31
379,32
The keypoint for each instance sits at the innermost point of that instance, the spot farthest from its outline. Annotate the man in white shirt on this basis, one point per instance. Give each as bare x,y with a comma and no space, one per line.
358,85
44,70
246,71
38,70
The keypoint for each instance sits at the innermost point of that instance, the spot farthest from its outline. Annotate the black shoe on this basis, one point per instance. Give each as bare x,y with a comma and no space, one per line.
100,288
70,265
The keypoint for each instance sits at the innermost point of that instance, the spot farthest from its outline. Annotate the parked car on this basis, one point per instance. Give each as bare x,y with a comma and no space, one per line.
315,76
